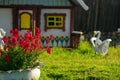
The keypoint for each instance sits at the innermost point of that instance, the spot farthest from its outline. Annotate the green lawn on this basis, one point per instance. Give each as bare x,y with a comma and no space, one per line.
80,64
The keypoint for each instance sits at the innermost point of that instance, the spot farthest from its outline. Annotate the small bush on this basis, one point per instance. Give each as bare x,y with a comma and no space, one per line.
84,47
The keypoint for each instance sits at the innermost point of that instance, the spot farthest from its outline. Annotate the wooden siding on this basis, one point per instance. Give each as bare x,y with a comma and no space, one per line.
36,2
103,15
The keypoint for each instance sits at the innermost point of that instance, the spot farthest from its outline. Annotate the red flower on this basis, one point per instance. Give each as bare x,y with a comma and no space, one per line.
34,46
14,41
51,36
28,35
22,43
5,39
32,38
11,31
26,46
47,41
37,33
6,47
14,32
41,47
7,58
21,40
49,50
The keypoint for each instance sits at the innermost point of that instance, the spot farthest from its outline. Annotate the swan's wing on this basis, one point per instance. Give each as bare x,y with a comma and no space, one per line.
103,48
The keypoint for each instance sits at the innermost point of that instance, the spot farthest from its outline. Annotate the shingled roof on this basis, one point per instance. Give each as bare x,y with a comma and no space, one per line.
45,3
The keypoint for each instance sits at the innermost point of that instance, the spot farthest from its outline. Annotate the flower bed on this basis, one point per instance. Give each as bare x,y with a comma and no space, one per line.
21,52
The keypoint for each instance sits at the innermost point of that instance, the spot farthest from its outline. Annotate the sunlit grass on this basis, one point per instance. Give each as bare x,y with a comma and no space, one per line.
80,64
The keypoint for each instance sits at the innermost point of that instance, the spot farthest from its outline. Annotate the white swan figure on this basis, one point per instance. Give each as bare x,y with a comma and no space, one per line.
2,34
97,34
99,45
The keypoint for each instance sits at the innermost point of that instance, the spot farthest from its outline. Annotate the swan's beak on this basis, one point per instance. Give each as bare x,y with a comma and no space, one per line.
94,32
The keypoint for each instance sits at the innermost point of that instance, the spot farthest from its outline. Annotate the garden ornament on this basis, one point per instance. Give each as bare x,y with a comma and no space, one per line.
2,34
99,45
97,34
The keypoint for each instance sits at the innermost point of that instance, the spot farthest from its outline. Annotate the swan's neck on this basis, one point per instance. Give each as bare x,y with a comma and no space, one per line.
98,34
93,39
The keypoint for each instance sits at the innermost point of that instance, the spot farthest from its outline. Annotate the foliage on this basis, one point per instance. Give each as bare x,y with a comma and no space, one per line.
21,52
84,48
65,64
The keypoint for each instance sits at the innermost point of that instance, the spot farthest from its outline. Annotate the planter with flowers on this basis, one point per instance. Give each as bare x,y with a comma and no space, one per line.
19,59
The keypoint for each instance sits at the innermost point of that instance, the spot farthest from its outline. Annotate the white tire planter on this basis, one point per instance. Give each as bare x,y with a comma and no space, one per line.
27,74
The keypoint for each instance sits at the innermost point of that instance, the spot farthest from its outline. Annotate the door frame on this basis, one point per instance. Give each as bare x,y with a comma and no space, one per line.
36,16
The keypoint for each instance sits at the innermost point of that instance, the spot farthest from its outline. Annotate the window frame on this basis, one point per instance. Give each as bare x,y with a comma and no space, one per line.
20,21
55,15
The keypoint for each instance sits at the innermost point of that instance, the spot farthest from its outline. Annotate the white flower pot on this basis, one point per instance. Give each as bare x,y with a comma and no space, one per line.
27,74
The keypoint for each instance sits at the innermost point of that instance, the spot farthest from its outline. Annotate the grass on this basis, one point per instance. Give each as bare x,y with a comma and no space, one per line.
80,64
